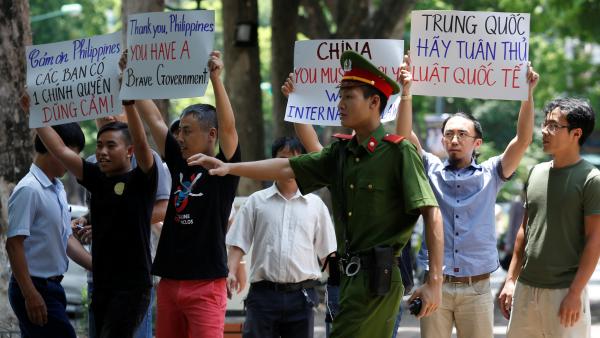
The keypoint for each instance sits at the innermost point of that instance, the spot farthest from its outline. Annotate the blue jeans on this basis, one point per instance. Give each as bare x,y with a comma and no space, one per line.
397,324
274,314
144,330
333,293
52,292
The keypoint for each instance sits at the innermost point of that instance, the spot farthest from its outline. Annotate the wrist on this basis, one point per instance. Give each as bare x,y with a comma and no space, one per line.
434,279
406,97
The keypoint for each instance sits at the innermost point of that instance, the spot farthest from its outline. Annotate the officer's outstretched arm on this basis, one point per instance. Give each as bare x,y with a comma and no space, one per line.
431,292
271,169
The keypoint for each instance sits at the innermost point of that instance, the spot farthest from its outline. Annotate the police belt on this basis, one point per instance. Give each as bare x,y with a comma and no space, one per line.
353,264
285,287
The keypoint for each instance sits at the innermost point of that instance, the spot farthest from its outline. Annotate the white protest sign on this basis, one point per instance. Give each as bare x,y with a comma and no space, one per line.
73,80
168,55
470,54
317,73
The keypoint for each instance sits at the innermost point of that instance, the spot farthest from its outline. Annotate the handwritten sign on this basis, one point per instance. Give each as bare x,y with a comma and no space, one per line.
470,54
168,54
73,80
317,73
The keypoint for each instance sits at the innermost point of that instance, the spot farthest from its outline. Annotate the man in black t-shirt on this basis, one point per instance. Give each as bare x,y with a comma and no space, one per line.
191,256
122,202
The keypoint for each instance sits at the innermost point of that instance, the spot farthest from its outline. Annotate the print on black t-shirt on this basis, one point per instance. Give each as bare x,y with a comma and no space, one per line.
192,241
184,190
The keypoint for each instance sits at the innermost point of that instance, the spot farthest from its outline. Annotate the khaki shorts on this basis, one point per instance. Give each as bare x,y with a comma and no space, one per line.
535,314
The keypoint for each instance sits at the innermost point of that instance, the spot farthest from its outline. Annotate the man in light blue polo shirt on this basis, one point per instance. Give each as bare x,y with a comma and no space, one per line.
39,240
466,192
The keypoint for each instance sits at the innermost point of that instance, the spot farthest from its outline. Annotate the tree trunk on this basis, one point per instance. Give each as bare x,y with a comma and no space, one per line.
16,146
242,81
144,6
283,35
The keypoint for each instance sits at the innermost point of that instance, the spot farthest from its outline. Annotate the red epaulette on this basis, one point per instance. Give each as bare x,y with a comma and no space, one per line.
393,138
345,137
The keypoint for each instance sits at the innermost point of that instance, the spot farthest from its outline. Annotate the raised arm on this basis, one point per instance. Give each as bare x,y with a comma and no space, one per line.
67,156
141,149
55,145
404,119
158,128
518,145
306,133
150,113
228,137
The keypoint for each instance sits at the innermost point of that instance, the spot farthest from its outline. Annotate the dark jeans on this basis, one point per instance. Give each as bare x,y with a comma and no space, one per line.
144,330
118,313
274,314
332,306
56,303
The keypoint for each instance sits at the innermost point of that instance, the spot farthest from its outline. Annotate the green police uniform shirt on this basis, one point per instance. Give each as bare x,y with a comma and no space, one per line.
385,185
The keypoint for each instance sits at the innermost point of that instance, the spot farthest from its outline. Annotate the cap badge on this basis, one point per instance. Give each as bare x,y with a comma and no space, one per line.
347,65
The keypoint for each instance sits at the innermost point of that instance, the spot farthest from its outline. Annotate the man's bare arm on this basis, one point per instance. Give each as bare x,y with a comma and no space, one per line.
78,253
518,145
158,128
404,119
55,145
270,169
514,270
228,136
34,303
141,148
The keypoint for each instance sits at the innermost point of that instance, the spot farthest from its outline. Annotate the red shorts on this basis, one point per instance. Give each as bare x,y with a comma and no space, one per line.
191,308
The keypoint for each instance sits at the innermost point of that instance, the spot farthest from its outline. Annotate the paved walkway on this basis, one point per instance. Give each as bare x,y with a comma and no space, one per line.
409,328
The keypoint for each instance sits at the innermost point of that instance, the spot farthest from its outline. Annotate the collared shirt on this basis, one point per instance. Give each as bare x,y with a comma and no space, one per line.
384,187
38,209
467,199
288,235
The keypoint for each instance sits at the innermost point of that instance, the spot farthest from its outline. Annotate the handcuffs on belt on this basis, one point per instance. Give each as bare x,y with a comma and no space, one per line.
352,265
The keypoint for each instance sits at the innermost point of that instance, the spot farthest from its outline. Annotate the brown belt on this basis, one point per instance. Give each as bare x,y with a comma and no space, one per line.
465,280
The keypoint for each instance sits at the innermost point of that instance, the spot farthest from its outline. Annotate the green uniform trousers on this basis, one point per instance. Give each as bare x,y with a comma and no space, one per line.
363,314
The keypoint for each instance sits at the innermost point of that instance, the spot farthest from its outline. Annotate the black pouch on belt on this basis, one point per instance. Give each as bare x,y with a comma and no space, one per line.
380,270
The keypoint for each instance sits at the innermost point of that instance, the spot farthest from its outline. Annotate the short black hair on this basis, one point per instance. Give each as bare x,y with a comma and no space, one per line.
119,126
476,124
174,126
578,112
70,133
369,91
292,143
205,114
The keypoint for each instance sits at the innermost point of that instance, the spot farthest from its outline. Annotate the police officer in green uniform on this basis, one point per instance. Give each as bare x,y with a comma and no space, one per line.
378,188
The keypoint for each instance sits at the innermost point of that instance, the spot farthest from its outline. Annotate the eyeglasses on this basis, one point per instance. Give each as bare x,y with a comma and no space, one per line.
552,127
460,136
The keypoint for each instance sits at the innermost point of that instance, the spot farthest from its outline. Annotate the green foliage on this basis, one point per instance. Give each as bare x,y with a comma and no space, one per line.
91,21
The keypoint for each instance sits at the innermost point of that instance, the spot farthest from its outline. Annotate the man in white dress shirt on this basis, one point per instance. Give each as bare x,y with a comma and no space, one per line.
290,232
